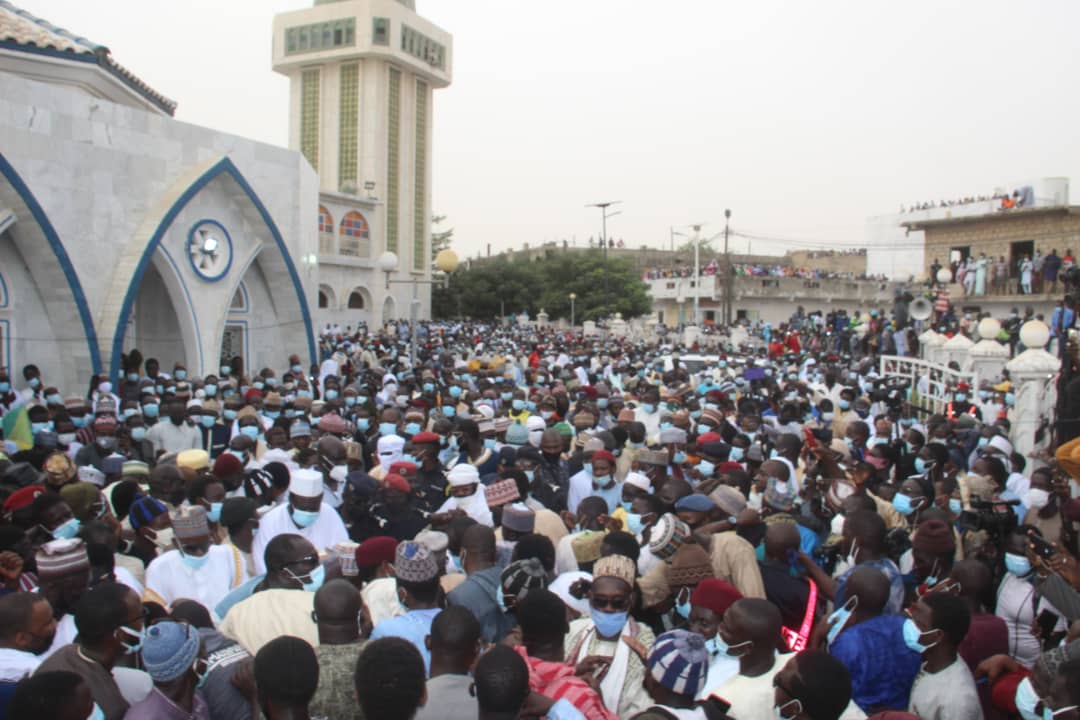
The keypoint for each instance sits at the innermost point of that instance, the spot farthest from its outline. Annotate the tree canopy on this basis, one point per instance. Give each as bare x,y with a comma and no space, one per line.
494,288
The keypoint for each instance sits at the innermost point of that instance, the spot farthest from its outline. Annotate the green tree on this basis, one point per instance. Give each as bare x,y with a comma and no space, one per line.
439,240
498,287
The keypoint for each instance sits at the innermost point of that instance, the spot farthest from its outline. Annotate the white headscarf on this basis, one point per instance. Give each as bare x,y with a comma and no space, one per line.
390,449
475,505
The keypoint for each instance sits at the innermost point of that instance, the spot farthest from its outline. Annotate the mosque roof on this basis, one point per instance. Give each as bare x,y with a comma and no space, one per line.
21,30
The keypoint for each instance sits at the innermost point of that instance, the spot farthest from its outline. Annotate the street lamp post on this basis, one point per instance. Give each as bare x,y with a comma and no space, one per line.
573,297
729,276
604,215
697,269
446,261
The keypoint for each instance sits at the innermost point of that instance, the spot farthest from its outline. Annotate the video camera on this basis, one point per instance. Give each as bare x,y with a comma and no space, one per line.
996,518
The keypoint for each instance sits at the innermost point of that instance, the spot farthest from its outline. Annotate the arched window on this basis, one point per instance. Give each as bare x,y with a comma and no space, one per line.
354,237
324,302
356,300
326,232
240,300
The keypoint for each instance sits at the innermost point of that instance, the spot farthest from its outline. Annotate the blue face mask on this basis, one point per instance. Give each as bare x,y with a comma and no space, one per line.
5,387
921,466
634,523
455,391
840,618
305,394
625,505
412,429
331,394
489,443
449,411
130,412
41,427
304,518
350,400
683,608
518,404
608,625
79,421
1018,565
230,414
913,637
214,513
210,390
315,579
251,431
362,424
298,369
1027,700
387,428
429,387
602,403
180,374
409,458
195,562
506,396
225,370
150,410
706,468
736,454
1010,398
843,404
208,421
648,408
67,530
903,504
960,397
530,475
34,382
138,433
54,399
955,506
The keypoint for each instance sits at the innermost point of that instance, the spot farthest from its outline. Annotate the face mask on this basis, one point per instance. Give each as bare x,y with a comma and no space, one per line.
780,714
251,431
79,421
134,641
826,417
350,401
236,454
36,428
903,504
210,390
608,624
151,410
67,530
518,404
180,374
1037,498
679,458
362,424
130,412
54,399
634,523
213,514
489,443
297,369
1018,565
546,414
208,421
162,539
387,429
921,466
304,518
707,468
912,636
138,434
455,392
683,608
843,404
5,387
648,408
106,442
449,411
412,429
960,397
736,454
105,388
734,650
230,414
1009,399
193,561
315,579
66,438
1027,700
331,394
530,475
955,506
305,394
840,618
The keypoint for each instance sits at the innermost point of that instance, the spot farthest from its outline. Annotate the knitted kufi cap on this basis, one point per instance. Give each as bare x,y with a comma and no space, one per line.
143,511
90,474
689,566
193,459
191,523
667,536
61,557
679,662
169,650
519,517
616,566
501,492
522,576
413,562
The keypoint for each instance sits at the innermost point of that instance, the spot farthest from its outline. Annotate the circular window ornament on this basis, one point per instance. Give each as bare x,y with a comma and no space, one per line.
209,249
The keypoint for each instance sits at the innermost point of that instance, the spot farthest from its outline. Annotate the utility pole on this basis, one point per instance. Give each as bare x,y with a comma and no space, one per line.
604,215
728,270
697,271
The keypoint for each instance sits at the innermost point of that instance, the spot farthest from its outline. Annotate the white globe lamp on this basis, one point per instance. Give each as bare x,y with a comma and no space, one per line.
446,261
387,262
1034,334
989,328
944,276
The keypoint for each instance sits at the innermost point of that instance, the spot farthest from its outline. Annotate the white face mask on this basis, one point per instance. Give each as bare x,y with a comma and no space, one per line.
338,473
163,539
1037,498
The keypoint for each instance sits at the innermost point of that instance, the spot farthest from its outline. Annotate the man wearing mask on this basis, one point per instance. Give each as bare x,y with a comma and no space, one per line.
552,481
27,629
176,434
304,514
431,481
173,657
611,638
105,427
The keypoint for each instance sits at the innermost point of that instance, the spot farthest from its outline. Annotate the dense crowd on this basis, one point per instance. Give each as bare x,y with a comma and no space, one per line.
531,523
715,267
1027,275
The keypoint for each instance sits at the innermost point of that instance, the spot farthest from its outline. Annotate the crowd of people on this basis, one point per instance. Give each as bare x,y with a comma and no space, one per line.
968,200
531,523
715,267
1029,274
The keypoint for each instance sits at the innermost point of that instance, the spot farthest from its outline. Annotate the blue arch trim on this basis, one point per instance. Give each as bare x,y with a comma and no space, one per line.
190,304
62,259
224,166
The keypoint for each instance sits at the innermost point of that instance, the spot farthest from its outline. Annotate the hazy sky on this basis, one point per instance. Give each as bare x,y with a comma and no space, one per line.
803,118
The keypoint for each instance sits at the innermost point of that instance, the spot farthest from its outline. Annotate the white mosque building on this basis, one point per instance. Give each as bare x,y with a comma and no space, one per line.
121,227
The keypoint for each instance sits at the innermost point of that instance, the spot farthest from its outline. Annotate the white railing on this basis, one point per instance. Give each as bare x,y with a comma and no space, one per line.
930,385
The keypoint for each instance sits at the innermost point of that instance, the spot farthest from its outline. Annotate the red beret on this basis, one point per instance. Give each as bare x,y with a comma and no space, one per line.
375,551
589,391
709,437
393,481
715,594
396,468
332,423
604,455
426,437
714,395
253,394
227,464
22,498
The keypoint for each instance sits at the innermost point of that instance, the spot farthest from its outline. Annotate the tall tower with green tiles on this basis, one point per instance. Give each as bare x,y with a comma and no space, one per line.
362,74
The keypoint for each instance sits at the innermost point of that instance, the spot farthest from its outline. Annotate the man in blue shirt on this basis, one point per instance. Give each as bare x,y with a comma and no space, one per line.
417,574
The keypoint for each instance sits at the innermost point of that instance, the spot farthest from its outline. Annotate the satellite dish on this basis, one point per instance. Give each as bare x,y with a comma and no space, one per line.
920,309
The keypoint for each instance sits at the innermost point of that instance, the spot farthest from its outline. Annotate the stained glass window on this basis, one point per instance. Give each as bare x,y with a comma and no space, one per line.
354,237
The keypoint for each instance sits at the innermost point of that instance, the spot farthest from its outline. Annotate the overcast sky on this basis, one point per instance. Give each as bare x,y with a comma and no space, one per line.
803,118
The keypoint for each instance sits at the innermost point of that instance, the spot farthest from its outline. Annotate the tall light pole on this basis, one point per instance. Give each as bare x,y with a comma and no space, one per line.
697,269
604,215
729,276
573,297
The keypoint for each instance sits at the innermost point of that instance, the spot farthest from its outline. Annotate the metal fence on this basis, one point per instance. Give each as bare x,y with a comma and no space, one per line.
930,385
